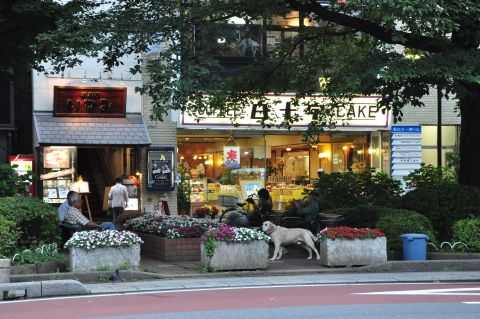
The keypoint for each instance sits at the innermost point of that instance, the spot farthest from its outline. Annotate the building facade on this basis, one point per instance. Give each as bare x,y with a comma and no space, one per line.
89,130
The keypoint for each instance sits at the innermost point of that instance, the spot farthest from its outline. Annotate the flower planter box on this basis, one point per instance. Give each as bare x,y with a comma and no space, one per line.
353,252
4,270
111,258
40,268
237,256
181,249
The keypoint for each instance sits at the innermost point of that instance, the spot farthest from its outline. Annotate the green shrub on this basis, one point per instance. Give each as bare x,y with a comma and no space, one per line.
467,231
8,237
359,216
444,204
36,222
37,255
11,183
396,222
430,176
339,190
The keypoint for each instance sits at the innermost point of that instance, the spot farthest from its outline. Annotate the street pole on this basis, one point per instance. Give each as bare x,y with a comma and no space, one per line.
439,126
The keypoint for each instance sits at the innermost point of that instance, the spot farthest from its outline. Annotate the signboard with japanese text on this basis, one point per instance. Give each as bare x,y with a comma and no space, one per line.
161,169
406,150
361,112
89,101
231,157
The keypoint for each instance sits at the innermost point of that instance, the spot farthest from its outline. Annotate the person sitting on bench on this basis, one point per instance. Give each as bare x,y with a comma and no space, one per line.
63,209
75,217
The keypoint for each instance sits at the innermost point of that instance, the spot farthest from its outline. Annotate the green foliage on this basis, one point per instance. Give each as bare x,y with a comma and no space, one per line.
227,178
398,221
349,189
210,244
40,254
363,216
444,204
10,183
453,162
8,237
184,190
467,231
430,176
36,222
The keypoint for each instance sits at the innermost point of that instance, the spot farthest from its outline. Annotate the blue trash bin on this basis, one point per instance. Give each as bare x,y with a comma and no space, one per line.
414,246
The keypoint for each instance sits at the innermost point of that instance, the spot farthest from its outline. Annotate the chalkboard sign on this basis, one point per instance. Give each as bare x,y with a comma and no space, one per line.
161,169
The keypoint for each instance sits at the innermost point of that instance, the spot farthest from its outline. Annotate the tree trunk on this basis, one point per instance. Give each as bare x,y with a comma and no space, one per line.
469,101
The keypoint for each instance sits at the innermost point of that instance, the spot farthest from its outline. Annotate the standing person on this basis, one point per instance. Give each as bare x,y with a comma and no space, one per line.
118,198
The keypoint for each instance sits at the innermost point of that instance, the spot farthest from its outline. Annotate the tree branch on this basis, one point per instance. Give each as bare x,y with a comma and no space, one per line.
406,39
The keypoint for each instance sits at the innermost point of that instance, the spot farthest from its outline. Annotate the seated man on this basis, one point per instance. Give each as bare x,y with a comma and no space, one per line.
63,209
75,217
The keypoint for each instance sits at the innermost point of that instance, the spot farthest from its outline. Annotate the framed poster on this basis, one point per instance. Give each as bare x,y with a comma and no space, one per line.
161,169
56,157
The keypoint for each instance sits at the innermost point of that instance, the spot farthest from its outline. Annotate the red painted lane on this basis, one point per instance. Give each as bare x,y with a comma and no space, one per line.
223,299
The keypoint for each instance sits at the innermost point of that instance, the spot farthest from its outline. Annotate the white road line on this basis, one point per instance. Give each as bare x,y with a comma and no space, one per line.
471,302
159,291
428,292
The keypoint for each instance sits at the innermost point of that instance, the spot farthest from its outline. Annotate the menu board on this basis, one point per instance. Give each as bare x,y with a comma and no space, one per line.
406,150
161,169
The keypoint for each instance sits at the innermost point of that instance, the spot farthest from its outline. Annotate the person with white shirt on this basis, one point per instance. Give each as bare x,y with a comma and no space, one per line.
118,199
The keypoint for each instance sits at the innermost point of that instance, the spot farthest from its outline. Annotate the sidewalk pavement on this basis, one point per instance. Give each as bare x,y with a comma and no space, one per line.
266,281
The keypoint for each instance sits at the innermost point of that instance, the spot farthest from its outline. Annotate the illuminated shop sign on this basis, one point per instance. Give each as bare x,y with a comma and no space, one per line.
361,112
89,101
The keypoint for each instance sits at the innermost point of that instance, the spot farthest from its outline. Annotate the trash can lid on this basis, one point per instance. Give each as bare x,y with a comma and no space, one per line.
415,236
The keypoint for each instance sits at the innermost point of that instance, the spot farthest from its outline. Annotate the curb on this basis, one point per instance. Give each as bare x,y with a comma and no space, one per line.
47,288
280,281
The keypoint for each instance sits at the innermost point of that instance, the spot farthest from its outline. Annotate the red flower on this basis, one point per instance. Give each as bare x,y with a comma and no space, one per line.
350,233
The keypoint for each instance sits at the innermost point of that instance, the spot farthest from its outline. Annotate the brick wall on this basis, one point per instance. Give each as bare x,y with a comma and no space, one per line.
182,249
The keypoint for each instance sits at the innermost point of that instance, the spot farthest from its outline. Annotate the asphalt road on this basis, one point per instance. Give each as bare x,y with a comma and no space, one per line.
361,301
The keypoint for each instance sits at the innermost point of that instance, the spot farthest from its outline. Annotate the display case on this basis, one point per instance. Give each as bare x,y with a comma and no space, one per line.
199,190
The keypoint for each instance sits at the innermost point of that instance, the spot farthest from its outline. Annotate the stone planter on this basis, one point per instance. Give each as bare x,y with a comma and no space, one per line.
181,249
4,270
237,256
47,267
356,252
82,260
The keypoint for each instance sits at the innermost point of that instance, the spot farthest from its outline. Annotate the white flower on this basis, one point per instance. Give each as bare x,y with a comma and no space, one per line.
109,238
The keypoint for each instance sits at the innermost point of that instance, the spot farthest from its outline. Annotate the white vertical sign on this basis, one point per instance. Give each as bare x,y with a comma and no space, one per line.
406,150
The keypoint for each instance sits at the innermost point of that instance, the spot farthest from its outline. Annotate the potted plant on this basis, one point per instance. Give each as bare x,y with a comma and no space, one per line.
347,246
105,250
231,248
170,238
184,191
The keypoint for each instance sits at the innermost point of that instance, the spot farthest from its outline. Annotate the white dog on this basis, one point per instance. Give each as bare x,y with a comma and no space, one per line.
282,236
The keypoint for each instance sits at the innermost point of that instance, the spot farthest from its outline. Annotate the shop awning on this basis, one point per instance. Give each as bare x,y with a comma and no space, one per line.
51,130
